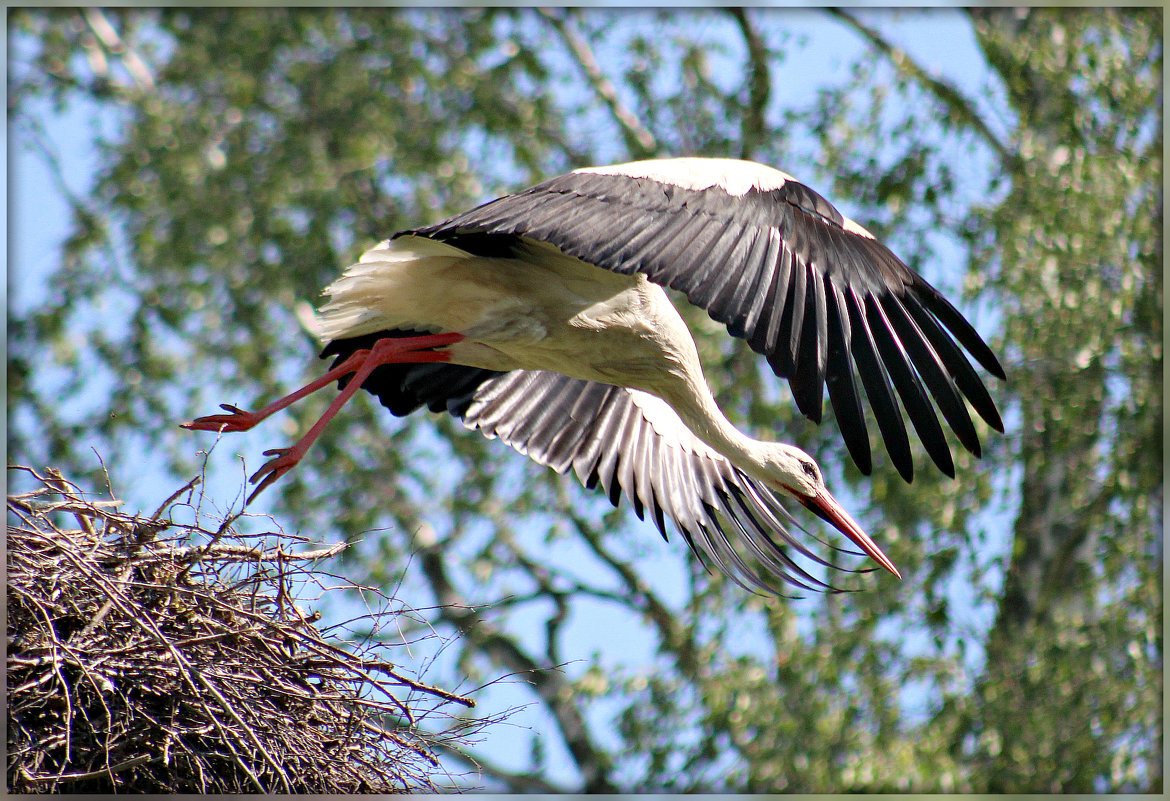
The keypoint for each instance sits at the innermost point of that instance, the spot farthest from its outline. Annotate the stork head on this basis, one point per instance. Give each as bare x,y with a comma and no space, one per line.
792,471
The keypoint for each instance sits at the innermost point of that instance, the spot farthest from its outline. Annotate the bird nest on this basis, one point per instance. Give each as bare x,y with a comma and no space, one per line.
146,656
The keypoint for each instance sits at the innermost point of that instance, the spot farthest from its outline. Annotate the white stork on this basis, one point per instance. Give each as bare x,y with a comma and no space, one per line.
540,318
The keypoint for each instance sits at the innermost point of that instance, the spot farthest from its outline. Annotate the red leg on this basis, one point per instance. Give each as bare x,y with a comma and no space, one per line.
409,349
241,420
361,363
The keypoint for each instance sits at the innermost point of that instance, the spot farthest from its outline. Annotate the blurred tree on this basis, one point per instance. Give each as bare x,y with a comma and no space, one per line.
1077,246
255,142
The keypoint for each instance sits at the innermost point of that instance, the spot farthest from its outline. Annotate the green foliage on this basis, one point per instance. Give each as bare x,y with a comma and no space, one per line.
1079,264
259,151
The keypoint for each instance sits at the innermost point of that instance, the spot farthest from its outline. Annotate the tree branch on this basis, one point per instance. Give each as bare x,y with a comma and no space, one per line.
752,129
639,141
672,634
106,34
952,98
544,579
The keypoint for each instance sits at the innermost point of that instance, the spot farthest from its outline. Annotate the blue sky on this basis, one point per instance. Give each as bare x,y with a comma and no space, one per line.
939,40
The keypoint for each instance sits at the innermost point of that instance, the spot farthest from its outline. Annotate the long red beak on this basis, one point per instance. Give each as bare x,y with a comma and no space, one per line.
825,506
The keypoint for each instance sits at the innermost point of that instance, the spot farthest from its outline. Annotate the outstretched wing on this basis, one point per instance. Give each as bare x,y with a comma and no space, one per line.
627,441
782,269
617,440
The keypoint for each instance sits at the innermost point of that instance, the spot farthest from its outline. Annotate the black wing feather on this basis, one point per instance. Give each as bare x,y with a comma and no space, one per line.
933,374
968,337
843,391
910,389
777,307
790,335
754,288
730,241
957,365
813,353
878,389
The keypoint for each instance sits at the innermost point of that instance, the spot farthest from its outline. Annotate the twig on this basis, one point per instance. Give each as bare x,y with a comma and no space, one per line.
93,774
57,482
959,106
194,482
639,140
753,127
109,37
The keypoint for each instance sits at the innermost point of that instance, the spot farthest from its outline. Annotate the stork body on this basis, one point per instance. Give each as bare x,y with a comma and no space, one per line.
541,318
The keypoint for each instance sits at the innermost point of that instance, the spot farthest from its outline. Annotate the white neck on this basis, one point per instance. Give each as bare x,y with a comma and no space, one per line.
691,398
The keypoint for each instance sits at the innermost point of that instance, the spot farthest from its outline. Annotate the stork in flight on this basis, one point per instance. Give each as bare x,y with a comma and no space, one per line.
541,318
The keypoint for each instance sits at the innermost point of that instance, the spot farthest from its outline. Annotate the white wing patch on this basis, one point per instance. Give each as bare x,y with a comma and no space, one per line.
854,228
733,176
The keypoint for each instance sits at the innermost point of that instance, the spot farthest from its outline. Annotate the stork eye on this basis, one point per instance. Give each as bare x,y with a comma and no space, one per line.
810,470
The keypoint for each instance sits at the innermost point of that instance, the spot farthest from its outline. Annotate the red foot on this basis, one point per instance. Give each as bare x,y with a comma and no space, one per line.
238,420
285,459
